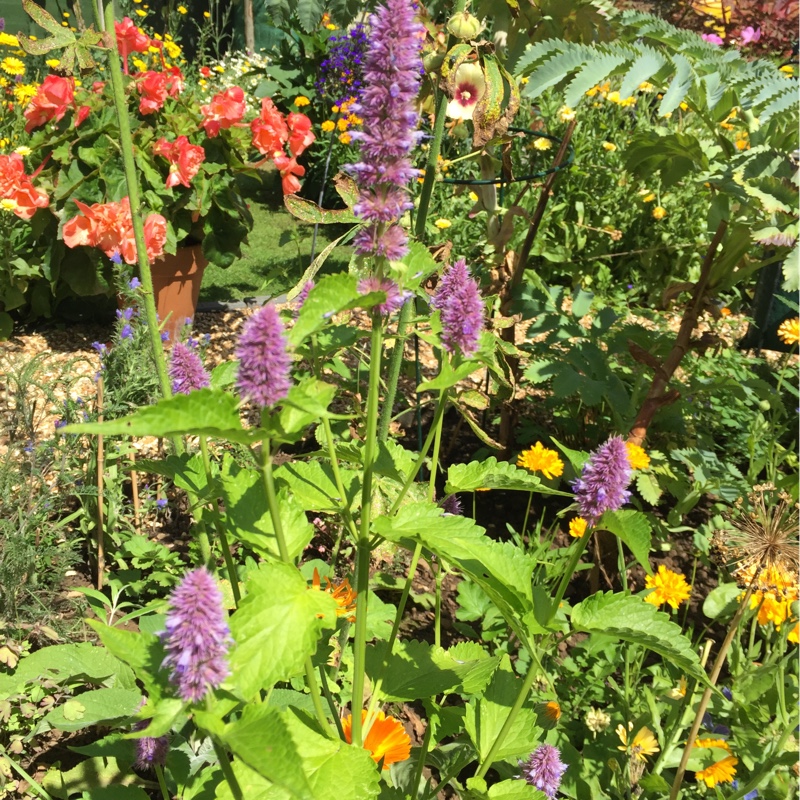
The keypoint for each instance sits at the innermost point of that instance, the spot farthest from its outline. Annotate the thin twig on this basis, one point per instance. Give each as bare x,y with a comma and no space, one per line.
101,560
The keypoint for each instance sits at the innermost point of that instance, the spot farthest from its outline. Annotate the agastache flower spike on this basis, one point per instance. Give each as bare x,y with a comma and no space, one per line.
391,76
603,484
186,370
394,297
544,768
459,300
264,361
197,636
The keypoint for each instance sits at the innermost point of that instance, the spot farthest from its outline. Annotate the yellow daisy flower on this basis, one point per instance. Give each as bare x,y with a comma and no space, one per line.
343,593
789,331
53,63
566,114
659,212
328,125
7,204
542,144
577,527
720,772
12,66
23,150
442,224
539,459
609,146
182,10
668,587
9,40
637,457
345,138
649,197
301,101
644,743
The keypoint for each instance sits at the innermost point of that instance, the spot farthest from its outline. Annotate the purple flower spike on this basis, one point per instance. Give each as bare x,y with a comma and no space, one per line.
134,283
394,297
603,484
391,76
186,370
544,768
459,300
303,296
151,752
264,361
452,505
196,636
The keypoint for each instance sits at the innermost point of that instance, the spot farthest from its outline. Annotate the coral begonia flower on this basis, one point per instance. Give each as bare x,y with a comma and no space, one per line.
153,89
155,235
225,110
51,101
130,40
288,168
269,129
185,160
175,81
470,88
28,198
81,115
300,137
386,740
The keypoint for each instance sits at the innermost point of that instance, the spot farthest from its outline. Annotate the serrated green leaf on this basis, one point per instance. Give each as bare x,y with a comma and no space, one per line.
722,601
310,212
313,486
277,627
649,488
494,474
209,412
100,706
631,619
416,670
633,529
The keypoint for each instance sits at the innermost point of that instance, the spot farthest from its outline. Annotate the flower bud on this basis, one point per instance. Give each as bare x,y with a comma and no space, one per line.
464,25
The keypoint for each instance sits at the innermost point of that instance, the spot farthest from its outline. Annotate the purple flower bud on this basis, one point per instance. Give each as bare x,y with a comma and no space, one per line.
544,768
303,296
116,258
126,332
151,752
186,370
603,484
452,505
459,300
394,297
197,636
100,347
126,313
161,502
164,336
264,360
134,283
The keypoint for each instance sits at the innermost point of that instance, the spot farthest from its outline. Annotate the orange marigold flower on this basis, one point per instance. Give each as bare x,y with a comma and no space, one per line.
668,587
789,331
771,608
539,459
343,593
386,740
721,743
720,772
637,457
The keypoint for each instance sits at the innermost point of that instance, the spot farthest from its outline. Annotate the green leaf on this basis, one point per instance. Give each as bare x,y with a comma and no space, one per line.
316,264
280,747
186,471
416,670
248,517
633,529
6,325
487,715
100,706
648,487
722,601
90,774
632,619
276,627
514,789
448,376
575,457
313,486
209,412
493,474
501,569
308,211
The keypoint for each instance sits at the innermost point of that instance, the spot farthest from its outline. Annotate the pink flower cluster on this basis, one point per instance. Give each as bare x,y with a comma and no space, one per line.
16,186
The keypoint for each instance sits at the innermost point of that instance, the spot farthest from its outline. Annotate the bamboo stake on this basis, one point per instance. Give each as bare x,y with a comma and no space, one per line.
137,521
101,560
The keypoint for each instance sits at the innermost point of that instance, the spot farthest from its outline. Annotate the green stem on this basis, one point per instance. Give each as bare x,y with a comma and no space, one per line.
161,782
32,785
574,558
395,364
420,765
704,700
527,513
437,443
363,551
337,477
437,610
323,679
129,167
512,715
227,769
221,534
765,769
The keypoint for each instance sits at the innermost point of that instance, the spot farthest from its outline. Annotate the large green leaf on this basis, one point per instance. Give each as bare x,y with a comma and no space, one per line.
210,412
487,715
416,670
276,627
501,569
308,211
247,513
281,748
313,485
493,474
631,619
97,707
633,529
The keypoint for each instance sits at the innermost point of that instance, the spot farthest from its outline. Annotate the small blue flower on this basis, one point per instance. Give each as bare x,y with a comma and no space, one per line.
164,336
161,502
116,258
126,332
60,423
134,283
126,313
100,347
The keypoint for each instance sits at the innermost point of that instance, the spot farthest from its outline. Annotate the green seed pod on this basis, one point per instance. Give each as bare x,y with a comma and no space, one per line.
433,61
464,25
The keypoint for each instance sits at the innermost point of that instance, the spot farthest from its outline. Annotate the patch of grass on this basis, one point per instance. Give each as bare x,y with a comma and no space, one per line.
278,253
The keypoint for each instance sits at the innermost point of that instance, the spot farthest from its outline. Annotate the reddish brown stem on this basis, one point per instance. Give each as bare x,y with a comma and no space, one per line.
657,394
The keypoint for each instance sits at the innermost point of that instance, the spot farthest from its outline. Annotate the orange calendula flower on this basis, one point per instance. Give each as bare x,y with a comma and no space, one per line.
637,457
659,212
577,527
789,331
721,743
720,772
552,710
342,593
668,587
771,608
539,459
386,740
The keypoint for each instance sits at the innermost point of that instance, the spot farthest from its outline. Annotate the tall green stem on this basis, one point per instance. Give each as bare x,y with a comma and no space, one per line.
363,551
129,167
574,558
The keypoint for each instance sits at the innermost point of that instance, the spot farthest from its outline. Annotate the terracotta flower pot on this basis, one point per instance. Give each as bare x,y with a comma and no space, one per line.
176,285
